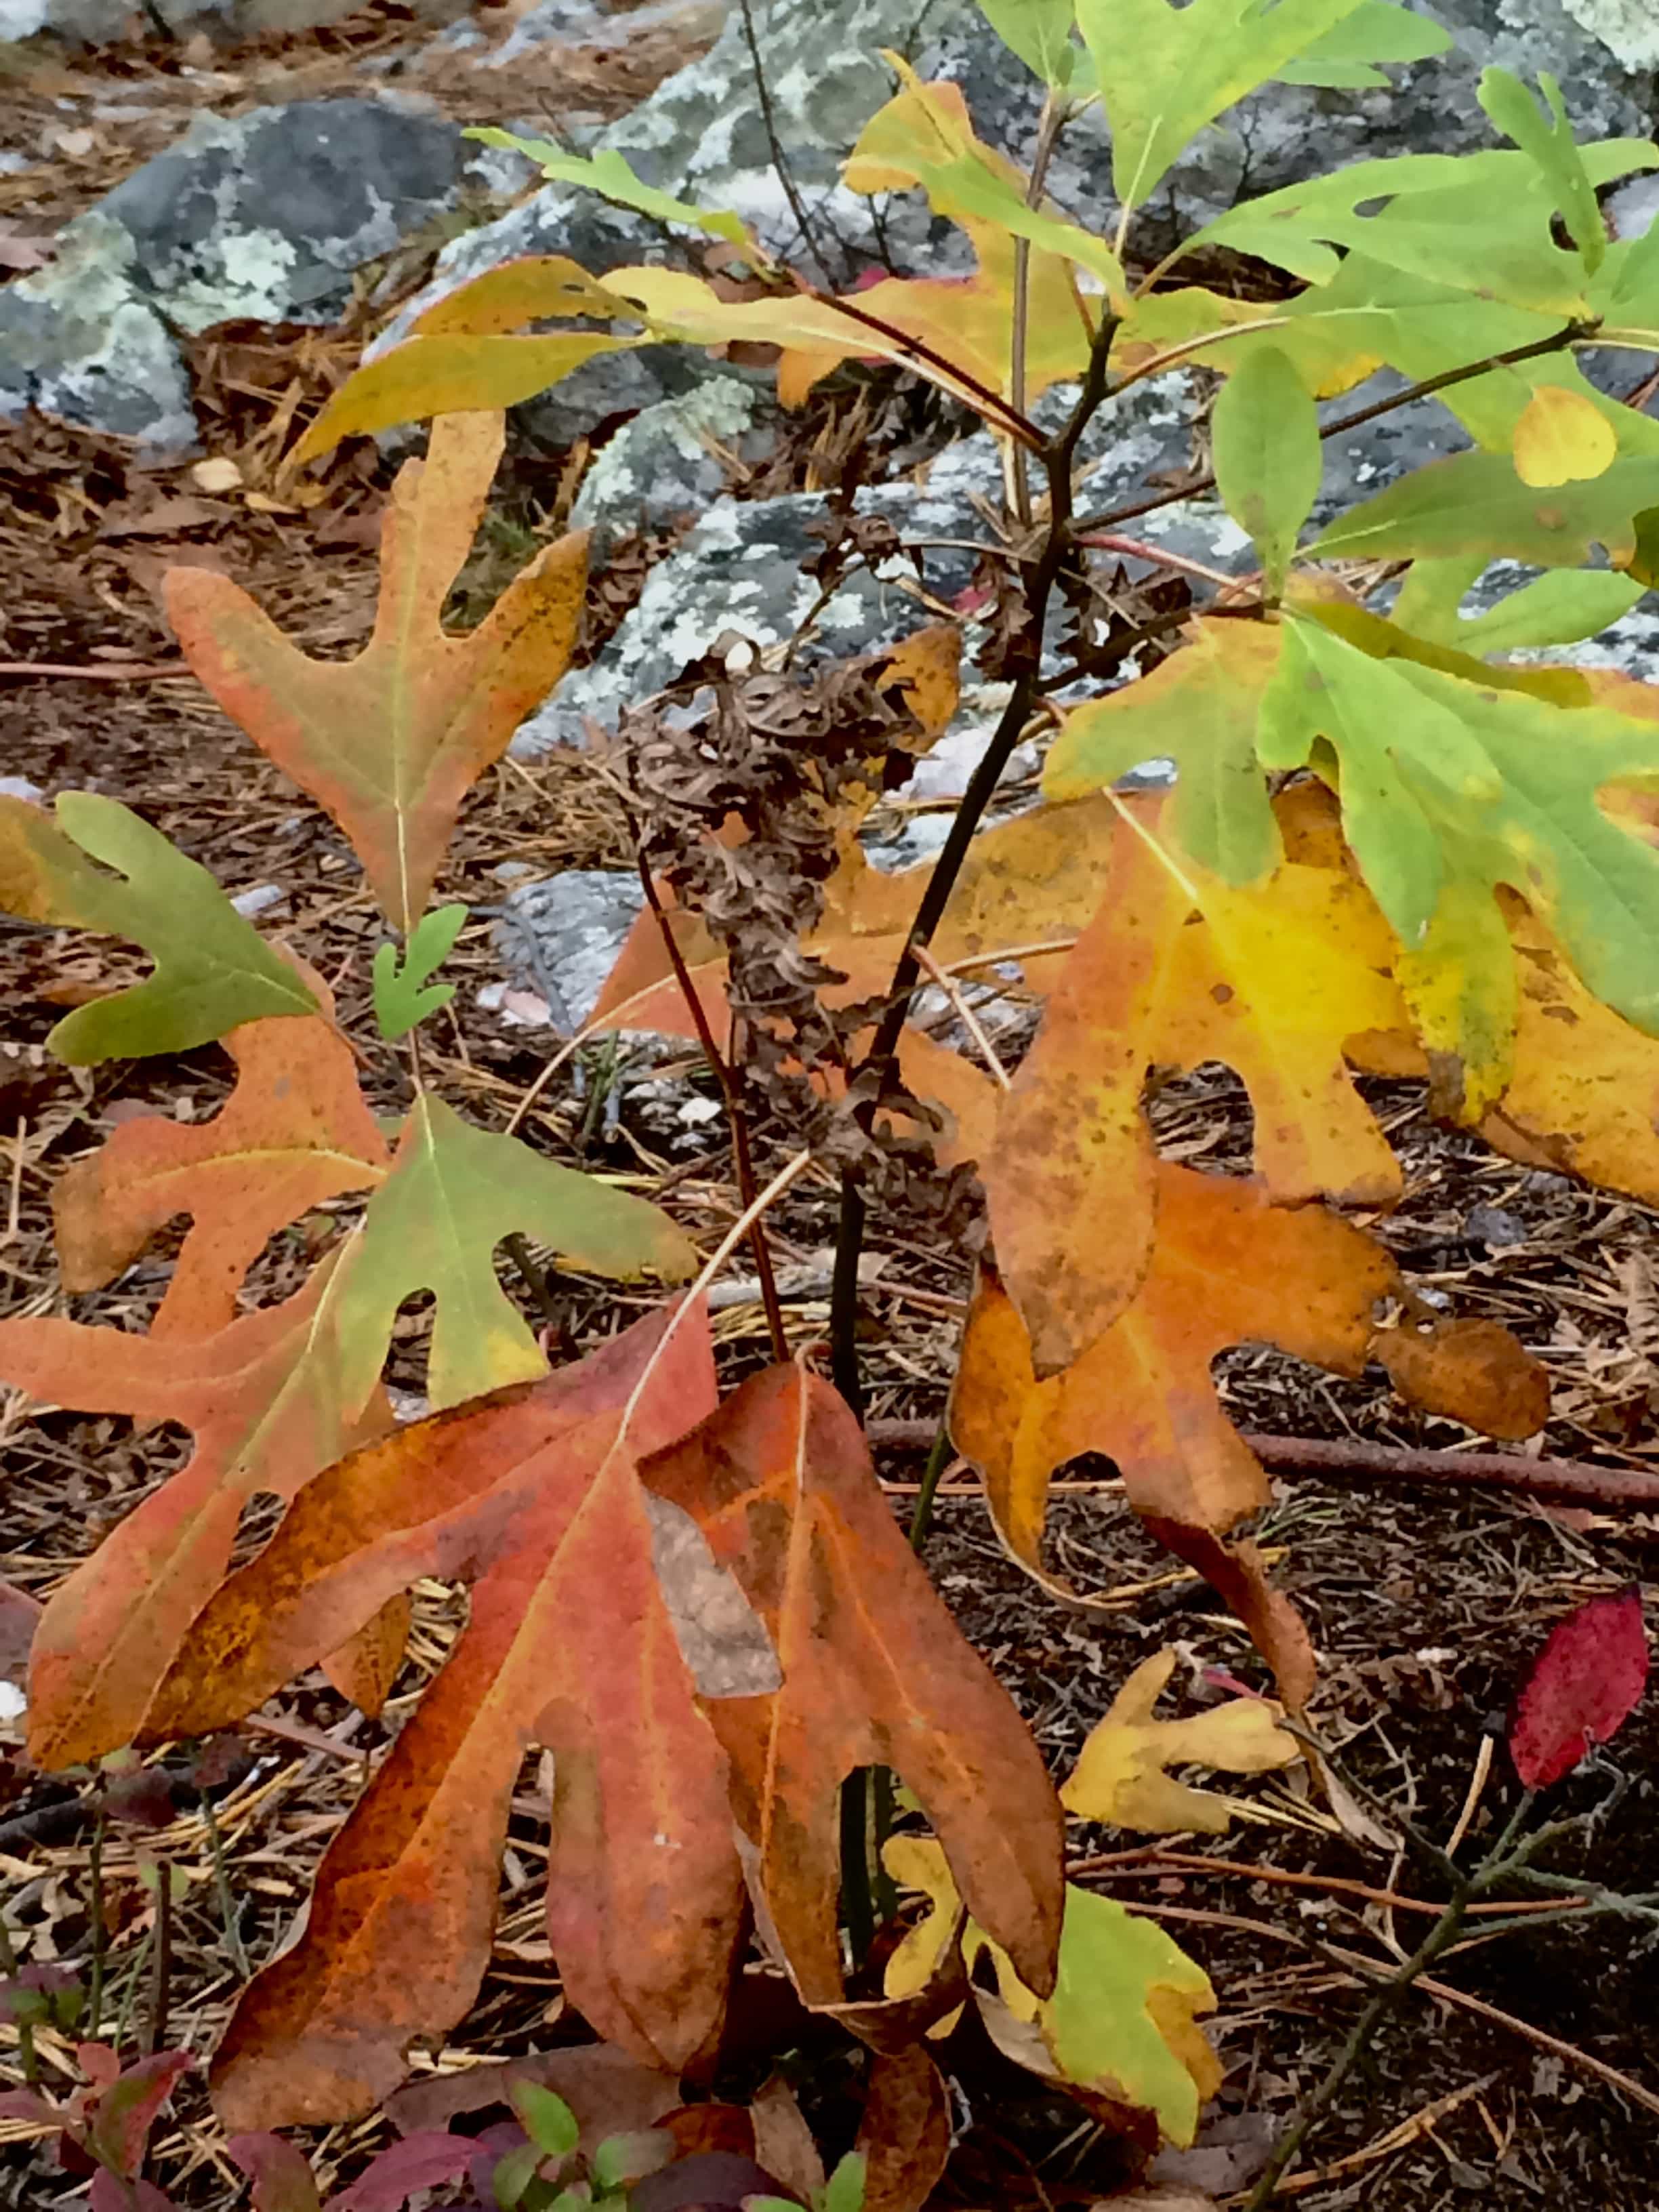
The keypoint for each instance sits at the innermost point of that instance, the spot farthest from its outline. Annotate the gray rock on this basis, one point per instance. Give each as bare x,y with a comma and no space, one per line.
1629,28
265,217
703,135
1495,1225
743,569
660,465
561,937
106,22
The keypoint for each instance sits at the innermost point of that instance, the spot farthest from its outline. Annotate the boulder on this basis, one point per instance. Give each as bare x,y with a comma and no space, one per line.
663,465
266,216
105,22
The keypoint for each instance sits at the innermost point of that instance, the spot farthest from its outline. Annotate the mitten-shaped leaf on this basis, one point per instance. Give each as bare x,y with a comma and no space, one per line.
391,743
453,1193
213,969
1123,1777
874,1672
531,1496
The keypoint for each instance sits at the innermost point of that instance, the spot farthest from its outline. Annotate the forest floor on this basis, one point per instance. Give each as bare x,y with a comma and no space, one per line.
1529,2079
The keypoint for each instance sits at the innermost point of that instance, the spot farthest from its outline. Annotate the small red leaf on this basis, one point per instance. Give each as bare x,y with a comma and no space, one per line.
419,2161
1586,1680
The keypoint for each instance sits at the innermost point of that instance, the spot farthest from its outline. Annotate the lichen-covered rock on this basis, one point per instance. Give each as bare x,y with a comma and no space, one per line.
561,937
1629,28
105,22
265,217
663,464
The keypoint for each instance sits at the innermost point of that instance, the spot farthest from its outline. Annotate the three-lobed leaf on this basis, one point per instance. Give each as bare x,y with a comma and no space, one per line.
389,744
401,1000
453,1193
531,1496
1121,1775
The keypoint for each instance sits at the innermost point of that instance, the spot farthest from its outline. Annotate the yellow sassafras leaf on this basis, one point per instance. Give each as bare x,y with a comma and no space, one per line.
1562,438
1121,1775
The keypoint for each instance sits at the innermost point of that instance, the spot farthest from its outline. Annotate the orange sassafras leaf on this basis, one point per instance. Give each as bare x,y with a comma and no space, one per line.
262,1401
1178,968
874,1672
296,1131
390,742
531,1495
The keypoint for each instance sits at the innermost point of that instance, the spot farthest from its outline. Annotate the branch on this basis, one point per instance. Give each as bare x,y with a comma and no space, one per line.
780,168
1057,456
730,1093
1552,1481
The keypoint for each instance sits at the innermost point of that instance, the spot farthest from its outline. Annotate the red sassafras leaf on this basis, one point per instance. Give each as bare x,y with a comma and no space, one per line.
1583,1684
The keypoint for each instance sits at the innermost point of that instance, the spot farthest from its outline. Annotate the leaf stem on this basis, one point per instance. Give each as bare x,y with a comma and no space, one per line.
1049,126
730,1093
1571,334
932,1475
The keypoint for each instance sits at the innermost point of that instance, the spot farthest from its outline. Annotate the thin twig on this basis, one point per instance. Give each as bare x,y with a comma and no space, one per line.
737,1120
1314,2106
117,671
227,1906
1555,1481
780,168
1134,550
161,1976
965,1014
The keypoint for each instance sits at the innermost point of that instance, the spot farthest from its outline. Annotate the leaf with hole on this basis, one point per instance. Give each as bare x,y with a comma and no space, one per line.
874,1672
1551,146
